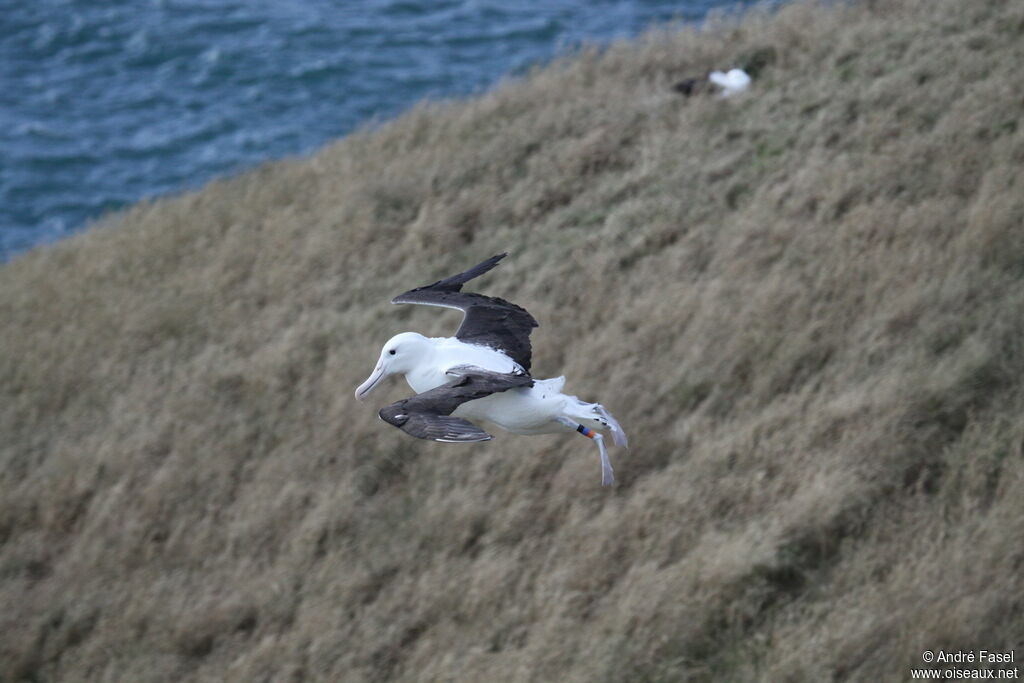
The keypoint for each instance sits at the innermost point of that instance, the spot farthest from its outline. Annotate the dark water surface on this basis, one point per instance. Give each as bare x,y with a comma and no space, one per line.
104,103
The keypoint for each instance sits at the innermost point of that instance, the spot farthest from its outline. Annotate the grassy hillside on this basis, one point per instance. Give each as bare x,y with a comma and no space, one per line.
805,305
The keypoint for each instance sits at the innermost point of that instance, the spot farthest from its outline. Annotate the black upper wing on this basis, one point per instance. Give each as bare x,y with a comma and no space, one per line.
489,321
428,415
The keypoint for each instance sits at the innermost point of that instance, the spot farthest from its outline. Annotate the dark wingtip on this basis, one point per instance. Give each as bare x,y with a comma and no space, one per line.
485,266
455,282
393,415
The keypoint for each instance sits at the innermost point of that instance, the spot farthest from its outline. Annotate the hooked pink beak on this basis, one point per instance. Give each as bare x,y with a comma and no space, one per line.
376,376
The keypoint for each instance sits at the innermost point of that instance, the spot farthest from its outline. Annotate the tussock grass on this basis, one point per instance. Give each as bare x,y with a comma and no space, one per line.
803,303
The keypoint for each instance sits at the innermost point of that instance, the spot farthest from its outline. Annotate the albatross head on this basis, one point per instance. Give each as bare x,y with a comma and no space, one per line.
400,355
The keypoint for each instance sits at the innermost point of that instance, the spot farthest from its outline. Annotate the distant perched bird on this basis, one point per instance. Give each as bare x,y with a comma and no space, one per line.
733,81
482,373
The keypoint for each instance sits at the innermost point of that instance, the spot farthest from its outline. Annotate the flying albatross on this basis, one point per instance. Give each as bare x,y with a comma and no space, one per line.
482,373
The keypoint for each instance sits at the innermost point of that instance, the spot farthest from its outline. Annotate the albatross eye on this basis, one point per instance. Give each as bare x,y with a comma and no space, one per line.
392,352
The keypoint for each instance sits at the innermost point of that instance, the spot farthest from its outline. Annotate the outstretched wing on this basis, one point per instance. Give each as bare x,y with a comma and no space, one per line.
442,428
488,321
428,415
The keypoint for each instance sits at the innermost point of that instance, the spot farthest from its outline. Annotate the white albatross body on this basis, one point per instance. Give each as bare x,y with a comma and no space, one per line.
425,362
520,411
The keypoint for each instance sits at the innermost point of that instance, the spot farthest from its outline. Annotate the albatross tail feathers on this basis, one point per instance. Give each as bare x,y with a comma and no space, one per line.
596,416
617,434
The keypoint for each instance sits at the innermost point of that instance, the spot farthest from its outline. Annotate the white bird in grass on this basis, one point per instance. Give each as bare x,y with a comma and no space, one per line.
482,373
733,81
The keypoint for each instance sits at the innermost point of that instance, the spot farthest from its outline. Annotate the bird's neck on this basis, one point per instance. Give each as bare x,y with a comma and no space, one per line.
426,374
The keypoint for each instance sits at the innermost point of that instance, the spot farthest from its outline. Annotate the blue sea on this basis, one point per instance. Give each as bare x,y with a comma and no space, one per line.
103,103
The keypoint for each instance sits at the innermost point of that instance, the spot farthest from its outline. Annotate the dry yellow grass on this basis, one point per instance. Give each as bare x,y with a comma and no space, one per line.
806,306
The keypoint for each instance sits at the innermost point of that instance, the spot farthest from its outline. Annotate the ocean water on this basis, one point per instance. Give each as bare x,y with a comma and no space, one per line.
105,102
